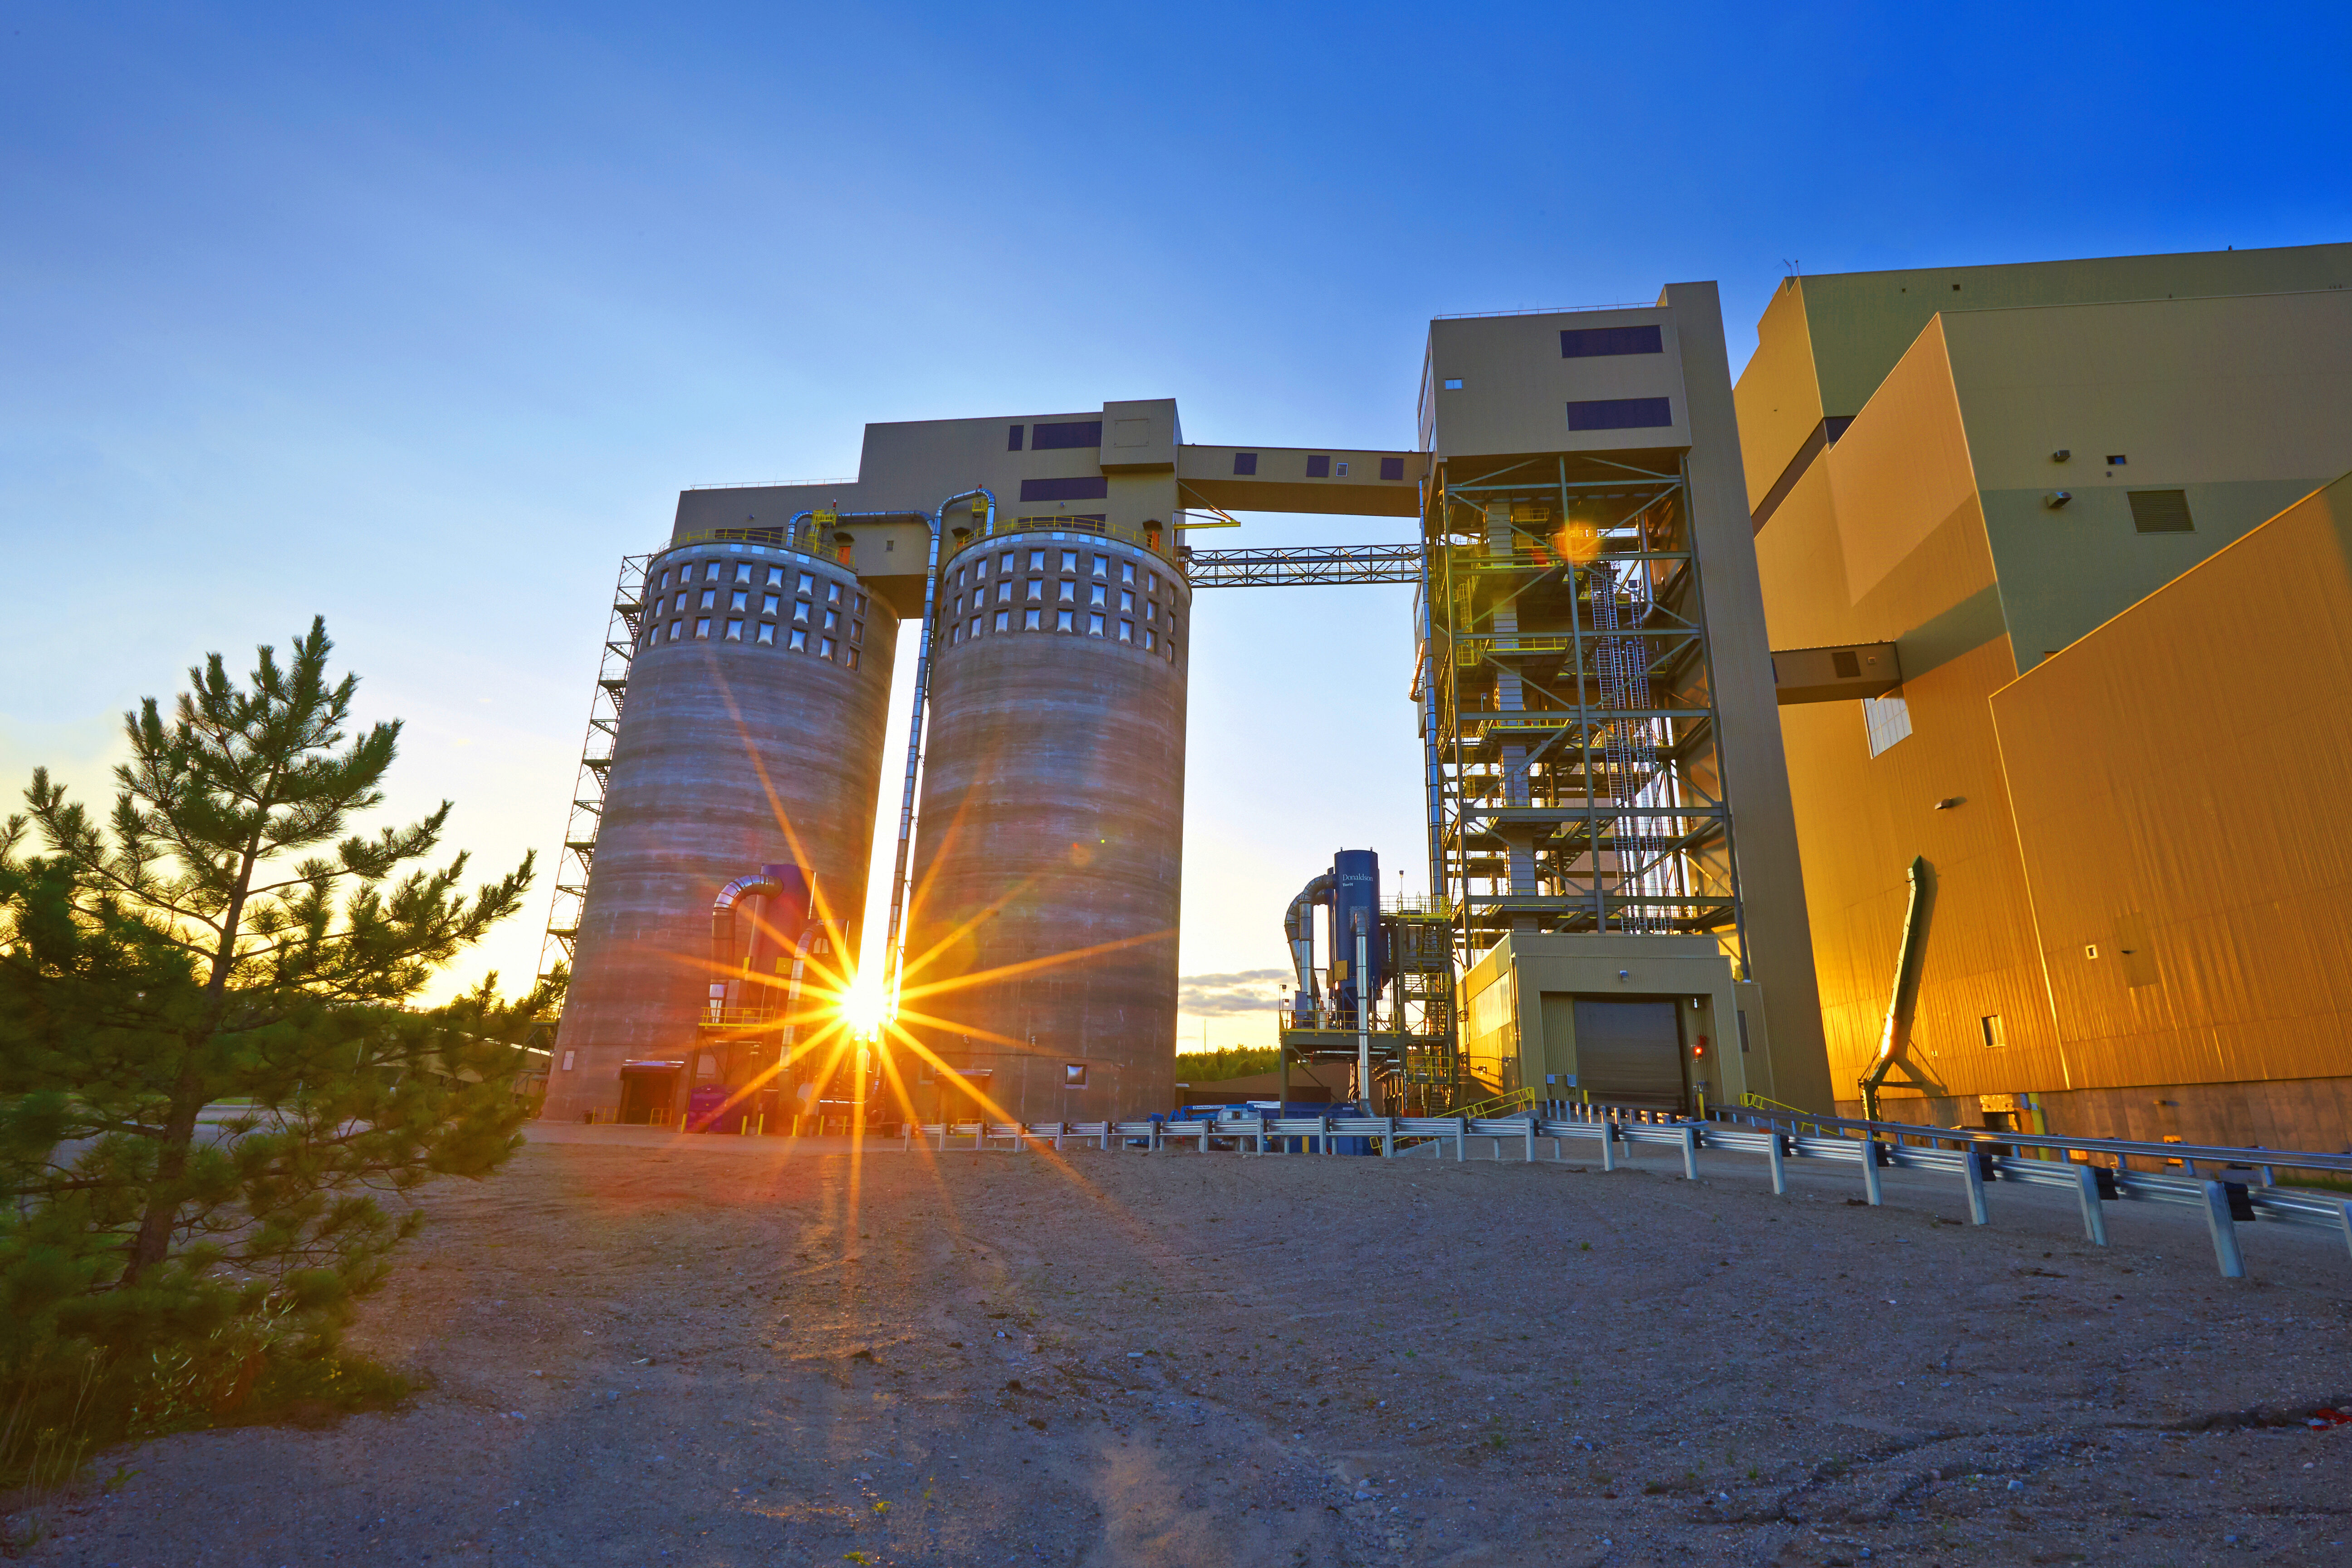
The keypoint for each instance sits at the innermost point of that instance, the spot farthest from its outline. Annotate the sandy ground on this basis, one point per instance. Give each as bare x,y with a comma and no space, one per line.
648,1350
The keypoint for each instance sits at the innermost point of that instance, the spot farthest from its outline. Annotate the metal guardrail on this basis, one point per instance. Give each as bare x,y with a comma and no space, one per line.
1976,1158
2186,1155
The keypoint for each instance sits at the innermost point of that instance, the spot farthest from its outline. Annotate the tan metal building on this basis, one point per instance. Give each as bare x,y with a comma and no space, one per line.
2024,481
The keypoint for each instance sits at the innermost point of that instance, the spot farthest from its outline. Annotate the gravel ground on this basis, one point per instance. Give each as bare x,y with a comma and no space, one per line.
655,1351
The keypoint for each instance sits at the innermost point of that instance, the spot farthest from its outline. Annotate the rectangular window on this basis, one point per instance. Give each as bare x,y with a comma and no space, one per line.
1036,587
1068,593
1454,384
1102,566
856,631
1012,437
664,581
959,633
767,634
1592,343
1391,467
739,600
1885,720
1245,462
742,571
1006,564
801,611
1094,625
775,577
673,630
1151,581
1126,571
975,625
800,640
1037,561
2160,512
710,598
734,631
1069,560
1146,636
1101,593
1996,1038
1341,470
1125,601
1061,620
964,576
824,647
849,656
768,604
1150,610
1318,467
808,583
833,593
1621,413
1074,433
1127,631
1003,619
1093,487
1029,620
832,619
702,628
1004,591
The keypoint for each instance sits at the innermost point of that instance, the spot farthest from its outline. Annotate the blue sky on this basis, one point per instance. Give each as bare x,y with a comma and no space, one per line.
420,317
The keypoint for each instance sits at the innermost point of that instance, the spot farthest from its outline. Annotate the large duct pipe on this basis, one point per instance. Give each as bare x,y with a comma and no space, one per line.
1298,927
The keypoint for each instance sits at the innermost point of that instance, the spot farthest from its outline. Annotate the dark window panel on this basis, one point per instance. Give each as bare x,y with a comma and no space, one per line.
1077,432
1591,342
1084,488
1245,462
1012,437
2161,511
1621,413
1318,467
1391,467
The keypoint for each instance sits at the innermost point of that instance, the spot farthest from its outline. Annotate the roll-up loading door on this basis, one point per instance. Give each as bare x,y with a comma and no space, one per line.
1629,1053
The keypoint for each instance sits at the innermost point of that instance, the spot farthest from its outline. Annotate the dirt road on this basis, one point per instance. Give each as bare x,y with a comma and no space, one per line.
708,1351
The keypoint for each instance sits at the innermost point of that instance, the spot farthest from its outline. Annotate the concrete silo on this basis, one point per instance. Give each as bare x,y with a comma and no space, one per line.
1041,943
750,736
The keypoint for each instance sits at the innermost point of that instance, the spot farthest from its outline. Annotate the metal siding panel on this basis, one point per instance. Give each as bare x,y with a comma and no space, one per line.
2184,763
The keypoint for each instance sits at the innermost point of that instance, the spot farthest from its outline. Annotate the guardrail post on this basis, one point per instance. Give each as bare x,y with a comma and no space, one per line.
1972,1173
1324,1122
1690,1152
2225,1232
2346,1208
1870,1171
1608,1144
1780,1170
1461,1138
2094,1219
1387,1136
1532,1139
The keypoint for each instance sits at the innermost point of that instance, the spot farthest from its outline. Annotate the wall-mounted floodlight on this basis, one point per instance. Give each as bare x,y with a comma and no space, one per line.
2056,498
2061,455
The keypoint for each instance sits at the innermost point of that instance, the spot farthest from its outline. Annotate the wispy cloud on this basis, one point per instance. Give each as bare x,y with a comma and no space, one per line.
1242,991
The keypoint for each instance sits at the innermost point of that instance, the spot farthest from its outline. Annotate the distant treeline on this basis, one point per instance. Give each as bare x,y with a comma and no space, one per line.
1237,1061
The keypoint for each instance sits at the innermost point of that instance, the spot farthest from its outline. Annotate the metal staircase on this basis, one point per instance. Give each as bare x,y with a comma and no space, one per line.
587,813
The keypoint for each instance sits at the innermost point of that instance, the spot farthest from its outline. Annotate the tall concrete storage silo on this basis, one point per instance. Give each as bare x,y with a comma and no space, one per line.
750,735
1052,825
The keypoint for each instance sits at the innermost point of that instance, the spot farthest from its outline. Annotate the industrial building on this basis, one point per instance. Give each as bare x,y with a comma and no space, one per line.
2055,557
1617,903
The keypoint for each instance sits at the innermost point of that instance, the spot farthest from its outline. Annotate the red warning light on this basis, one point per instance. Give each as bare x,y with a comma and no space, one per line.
1699,1049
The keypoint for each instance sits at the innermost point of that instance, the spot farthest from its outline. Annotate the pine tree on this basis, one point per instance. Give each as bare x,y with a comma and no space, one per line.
222,941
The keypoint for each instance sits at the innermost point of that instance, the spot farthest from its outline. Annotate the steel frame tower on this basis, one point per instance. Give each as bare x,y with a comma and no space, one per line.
1567,704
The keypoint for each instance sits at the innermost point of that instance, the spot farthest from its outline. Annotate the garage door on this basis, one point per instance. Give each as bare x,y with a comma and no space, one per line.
1629,1053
